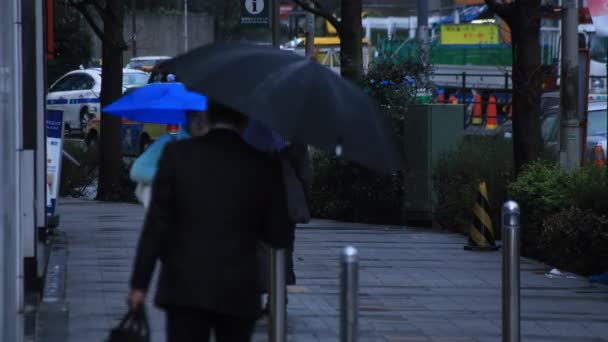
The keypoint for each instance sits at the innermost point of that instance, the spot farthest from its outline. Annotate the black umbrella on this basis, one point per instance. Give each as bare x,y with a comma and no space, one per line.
299,98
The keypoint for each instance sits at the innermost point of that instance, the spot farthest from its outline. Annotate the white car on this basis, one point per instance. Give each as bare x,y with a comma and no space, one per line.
77,94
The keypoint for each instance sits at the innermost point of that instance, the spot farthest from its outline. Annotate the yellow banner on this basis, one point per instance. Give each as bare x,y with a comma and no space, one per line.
469,34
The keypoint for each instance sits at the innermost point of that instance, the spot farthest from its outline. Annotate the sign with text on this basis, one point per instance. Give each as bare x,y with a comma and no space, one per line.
54,148
599,16
255,12
469,34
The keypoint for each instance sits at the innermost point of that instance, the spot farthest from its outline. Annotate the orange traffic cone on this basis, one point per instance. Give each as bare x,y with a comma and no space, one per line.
453,99
492,118
598,155
477,120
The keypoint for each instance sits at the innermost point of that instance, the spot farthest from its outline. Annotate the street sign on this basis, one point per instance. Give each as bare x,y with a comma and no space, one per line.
469,34
599,16
255,12
54,147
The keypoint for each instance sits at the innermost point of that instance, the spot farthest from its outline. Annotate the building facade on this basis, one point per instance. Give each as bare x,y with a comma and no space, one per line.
11,285
22,162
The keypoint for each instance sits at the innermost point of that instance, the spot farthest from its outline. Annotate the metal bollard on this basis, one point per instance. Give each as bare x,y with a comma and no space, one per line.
510,272
277,330
349,282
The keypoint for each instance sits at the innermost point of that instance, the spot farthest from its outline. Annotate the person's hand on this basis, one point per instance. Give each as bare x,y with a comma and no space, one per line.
135,300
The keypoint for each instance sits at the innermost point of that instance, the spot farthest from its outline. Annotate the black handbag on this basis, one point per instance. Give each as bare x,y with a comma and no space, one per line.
133,327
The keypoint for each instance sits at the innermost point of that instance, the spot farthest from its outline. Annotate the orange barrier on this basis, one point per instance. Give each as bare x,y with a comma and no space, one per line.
477,119
440,98
598,155
492,118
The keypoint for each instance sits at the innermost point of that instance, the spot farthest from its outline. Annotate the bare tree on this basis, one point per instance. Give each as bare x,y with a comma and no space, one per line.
523,18
349,31
111,13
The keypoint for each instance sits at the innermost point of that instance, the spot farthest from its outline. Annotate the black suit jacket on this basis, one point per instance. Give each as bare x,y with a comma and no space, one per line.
213,199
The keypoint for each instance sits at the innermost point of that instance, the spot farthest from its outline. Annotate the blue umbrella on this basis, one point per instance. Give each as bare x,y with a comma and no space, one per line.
162,103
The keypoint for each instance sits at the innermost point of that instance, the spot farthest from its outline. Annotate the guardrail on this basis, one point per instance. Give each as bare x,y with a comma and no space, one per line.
464,80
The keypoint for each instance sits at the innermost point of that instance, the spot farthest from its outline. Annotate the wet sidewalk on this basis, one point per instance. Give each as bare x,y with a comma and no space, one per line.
415,285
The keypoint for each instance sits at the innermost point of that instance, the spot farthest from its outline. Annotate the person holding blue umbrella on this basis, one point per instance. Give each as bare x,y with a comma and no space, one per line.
145,166
161,103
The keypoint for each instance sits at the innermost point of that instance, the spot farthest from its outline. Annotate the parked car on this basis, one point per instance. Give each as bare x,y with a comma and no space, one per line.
146,63
77,95
596,129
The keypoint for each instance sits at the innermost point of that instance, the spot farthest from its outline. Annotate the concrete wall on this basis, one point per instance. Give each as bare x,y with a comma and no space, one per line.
163,34
11,321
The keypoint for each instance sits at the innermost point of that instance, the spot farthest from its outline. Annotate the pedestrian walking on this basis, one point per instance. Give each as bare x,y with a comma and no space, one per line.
144,168
213,198
297,179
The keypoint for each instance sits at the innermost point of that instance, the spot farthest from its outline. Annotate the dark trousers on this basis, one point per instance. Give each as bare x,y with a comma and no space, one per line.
189,325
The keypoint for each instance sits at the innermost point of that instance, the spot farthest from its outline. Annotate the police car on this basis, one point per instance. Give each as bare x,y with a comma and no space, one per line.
77,95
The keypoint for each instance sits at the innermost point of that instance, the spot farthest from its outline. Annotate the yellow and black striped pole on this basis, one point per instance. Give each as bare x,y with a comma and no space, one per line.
481,233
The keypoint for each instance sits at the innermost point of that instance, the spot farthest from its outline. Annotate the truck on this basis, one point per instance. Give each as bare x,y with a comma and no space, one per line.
484,65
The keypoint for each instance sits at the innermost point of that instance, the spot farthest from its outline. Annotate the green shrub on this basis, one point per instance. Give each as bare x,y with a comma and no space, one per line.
345,191
575,240
458,175
589,188
73,44
78,180
543,189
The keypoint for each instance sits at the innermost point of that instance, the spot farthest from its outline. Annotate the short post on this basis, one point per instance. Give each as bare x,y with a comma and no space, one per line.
510,272
349,291
277,330
464,108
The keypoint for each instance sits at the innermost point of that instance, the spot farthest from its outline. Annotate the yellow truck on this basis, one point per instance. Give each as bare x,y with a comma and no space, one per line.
136,136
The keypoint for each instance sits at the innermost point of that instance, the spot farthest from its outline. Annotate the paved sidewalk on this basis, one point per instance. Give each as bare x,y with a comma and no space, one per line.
416,285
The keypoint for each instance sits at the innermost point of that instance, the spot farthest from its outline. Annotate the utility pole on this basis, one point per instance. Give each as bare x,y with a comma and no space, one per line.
310,33
276,23
423,38
185,25
571,144
133,28
423,24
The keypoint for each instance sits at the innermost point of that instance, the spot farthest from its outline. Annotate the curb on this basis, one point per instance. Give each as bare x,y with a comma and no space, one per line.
52,320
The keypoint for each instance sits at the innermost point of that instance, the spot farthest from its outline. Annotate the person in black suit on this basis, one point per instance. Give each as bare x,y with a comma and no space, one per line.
214,198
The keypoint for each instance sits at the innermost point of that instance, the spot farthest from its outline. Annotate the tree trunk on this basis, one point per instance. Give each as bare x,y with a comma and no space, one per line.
527,83
110,166
351,58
